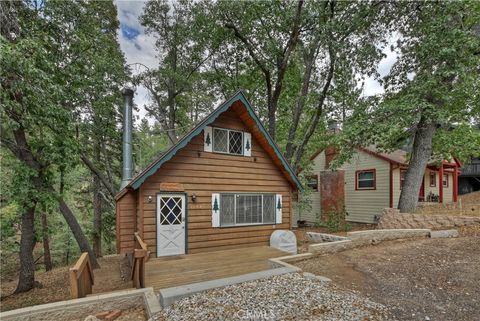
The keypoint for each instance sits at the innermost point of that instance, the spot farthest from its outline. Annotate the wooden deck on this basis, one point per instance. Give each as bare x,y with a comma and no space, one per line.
185,269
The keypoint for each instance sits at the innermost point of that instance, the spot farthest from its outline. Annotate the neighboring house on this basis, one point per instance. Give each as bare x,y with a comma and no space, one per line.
225,184
371,181
469,179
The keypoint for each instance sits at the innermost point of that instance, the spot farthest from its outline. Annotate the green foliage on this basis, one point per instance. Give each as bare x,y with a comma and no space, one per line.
435,78
150,141
335,221
61,73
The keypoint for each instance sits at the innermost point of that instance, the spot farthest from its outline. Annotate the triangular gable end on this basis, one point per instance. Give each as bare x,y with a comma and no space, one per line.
246,113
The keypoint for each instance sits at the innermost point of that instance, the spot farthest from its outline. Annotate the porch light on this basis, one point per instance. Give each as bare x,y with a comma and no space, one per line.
194,197
150,198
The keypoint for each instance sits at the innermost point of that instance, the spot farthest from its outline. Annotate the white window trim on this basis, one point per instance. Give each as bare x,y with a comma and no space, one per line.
228,141
235,209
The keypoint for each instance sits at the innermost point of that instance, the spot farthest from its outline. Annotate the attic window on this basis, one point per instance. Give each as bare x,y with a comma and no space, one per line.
365,179
227,141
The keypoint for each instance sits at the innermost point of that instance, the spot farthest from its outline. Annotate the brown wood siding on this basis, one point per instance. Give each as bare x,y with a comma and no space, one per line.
126,215
204,173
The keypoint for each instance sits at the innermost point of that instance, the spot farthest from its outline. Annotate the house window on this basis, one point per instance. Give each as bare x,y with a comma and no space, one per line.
445,180
403,172
227,141
247,209
313,182
433,179
365,179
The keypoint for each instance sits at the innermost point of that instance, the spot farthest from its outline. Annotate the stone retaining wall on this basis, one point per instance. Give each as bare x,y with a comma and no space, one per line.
315,237
392,219
362,238
376,236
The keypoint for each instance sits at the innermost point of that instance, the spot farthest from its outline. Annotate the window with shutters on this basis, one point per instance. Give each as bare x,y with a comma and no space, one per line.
246,209
227,141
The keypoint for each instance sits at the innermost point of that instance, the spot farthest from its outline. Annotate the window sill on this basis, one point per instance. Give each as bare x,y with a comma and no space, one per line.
247,225
227,153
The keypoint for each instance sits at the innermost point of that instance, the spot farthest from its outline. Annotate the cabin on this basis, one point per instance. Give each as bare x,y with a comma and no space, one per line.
370,182
224,185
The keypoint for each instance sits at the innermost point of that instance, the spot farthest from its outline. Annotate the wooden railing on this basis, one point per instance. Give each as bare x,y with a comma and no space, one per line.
81,277
140,257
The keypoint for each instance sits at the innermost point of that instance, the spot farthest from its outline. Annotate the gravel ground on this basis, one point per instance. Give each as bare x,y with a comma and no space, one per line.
426,279
286,297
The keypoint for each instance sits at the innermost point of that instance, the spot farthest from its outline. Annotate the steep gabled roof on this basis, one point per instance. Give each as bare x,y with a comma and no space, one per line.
259,132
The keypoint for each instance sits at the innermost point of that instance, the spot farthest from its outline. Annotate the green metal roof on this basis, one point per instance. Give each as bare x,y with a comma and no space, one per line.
138,180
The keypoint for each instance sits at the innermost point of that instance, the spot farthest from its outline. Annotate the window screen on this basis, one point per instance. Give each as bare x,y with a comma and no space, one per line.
235,142
227,141
227,206
249,209
220,140
366,179
244,209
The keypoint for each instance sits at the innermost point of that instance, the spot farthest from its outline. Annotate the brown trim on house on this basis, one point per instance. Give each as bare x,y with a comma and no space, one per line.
316,153
374,170
379,156
440,183
455,184
391,186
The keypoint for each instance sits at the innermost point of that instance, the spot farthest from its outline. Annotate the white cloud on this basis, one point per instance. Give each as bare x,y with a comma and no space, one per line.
138,49
372,86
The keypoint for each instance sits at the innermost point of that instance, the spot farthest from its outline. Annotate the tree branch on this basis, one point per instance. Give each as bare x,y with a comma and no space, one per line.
313,125
108,185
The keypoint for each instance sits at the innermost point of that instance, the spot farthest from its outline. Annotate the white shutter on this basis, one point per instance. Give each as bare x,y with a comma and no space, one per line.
278,208
247,144
207,139
215,210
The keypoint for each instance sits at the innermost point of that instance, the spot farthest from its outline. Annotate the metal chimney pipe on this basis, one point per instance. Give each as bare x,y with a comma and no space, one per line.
127,164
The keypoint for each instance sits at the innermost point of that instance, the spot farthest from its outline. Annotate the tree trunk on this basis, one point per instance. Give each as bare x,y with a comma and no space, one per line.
421,152
312,127
308,60
47,258
97,218
26,279
77,231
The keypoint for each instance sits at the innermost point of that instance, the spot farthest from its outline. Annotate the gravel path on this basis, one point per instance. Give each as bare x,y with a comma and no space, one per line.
427,279
286,297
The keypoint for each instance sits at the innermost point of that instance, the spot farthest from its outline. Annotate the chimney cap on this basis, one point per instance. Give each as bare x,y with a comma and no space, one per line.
128,90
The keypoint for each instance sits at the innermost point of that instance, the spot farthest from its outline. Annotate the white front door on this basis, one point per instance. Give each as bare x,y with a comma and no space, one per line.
170,224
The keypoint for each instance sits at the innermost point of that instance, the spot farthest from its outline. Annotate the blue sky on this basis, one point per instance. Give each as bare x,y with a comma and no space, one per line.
140,48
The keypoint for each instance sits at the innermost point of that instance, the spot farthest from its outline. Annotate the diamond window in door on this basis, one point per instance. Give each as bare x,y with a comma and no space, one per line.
170,210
